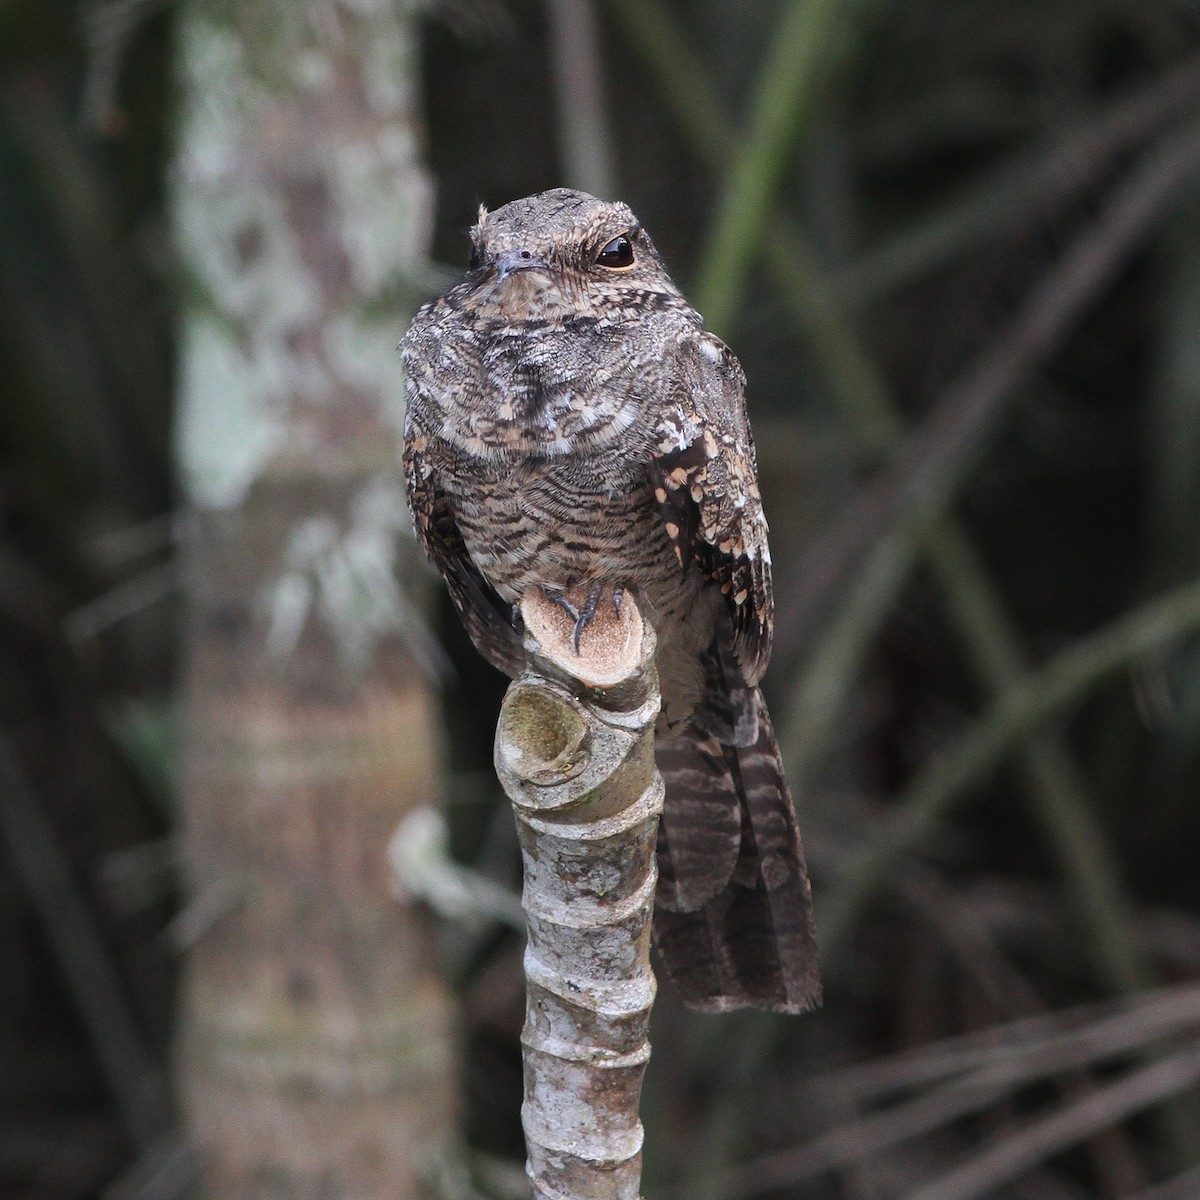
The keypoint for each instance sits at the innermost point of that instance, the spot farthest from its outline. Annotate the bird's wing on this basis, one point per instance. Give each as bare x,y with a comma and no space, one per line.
486,617
705,479
733,917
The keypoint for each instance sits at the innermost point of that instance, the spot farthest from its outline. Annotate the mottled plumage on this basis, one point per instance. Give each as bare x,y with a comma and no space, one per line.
570,421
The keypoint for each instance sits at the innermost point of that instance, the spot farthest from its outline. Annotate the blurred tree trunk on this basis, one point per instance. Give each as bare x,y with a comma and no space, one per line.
315,1053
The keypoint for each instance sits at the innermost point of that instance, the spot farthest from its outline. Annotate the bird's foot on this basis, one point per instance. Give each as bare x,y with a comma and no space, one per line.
582,614
617,640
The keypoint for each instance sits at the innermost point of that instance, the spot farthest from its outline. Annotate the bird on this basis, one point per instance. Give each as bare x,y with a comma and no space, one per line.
570,424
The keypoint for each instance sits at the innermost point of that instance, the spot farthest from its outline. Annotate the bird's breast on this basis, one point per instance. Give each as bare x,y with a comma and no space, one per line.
530,419
540,388
556,520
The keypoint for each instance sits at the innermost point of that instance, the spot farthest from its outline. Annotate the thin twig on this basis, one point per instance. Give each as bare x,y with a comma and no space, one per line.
939,457
138,1089
1021,187
983,1174
127,599
864,558
1115,1161
1061,682
1061,804
1185,1186
1092,1032
1001,1060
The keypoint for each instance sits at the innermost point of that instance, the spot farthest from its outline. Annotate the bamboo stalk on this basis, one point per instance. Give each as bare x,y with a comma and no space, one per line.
575,754
585,151
782,109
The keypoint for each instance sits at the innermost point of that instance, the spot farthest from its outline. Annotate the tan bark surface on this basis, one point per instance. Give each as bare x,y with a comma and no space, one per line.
575,753
315,1055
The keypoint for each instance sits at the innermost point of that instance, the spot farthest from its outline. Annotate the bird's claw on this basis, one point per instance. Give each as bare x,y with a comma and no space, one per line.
583,615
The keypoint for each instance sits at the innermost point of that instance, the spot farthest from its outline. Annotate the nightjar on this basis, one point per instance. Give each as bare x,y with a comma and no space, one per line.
569,423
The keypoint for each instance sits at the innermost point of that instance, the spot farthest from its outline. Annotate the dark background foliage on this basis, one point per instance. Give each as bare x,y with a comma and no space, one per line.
951,156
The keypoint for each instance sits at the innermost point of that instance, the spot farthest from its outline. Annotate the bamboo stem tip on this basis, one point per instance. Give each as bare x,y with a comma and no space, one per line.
609,646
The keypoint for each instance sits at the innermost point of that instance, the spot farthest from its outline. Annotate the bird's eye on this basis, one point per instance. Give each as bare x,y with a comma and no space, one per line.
617,253
476,259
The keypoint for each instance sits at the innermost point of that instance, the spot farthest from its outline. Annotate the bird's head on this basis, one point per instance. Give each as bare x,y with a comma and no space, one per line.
561,250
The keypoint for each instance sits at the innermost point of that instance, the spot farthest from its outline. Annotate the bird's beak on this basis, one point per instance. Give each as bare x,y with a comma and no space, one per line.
510,261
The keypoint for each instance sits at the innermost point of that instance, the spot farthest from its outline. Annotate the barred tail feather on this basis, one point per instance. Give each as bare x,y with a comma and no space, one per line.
733,919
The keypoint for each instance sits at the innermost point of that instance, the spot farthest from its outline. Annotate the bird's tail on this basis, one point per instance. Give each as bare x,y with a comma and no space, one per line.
733,915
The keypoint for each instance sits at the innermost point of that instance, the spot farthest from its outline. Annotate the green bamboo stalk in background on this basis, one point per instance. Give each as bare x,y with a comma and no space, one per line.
782,108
